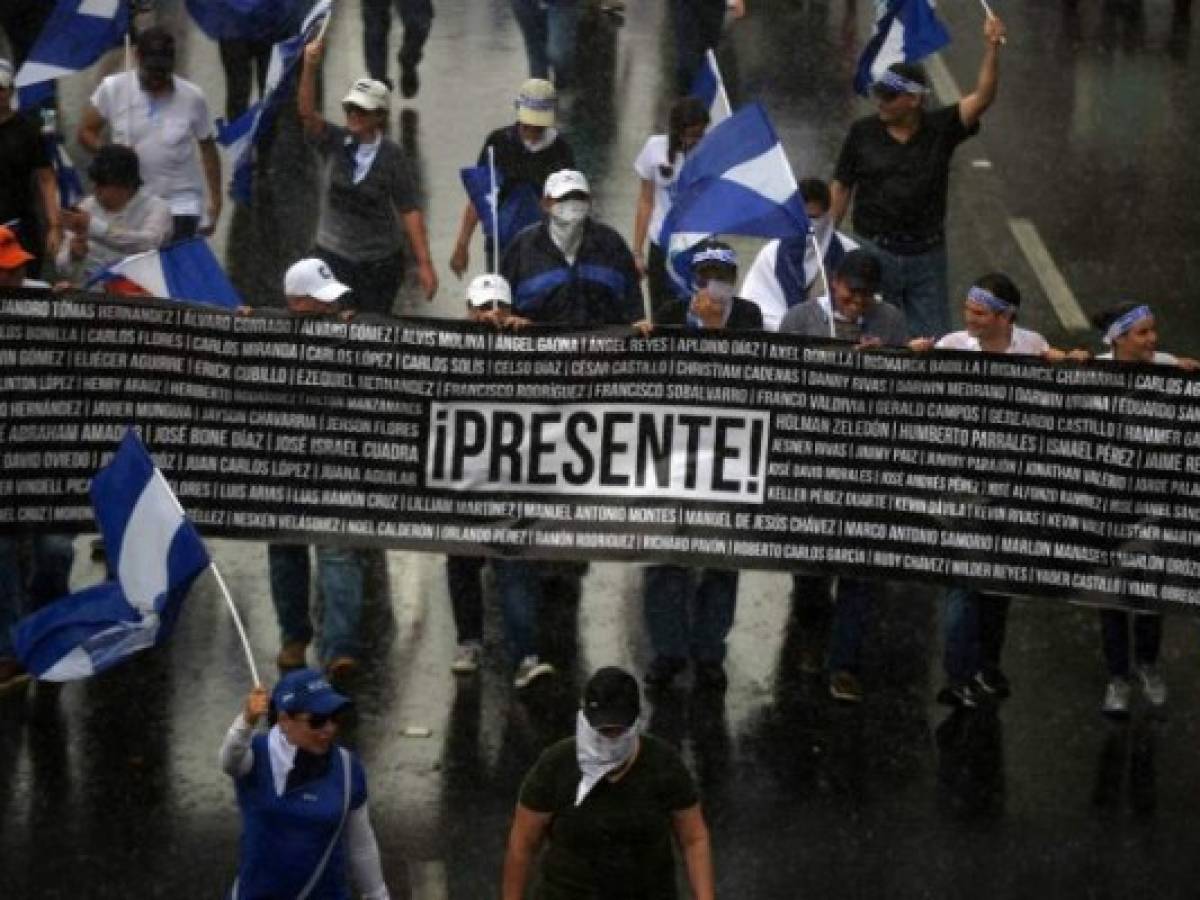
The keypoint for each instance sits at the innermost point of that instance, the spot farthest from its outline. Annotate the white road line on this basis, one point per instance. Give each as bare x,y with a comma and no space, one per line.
1057,291
944,85
429,880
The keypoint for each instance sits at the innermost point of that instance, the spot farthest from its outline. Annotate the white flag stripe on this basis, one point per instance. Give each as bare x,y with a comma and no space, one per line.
890,51
76,664
34,72
145,270
145,545
101,9
768,174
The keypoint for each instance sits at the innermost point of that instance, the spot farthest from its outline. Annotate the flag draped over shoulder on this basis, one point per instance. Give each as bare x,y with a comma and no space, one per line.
156,554
905,31
736,181
241,136
77,34
519,209
709,87
187,270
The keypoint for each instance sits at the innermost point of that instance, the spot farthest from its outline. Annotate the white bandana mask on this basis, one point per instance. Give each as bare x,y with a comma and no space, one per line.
598,755
567,218
547,138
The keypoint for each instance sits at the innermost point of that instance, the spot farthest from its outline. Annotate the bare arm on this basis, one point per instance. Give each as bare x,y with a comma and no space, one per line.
90,133
460,258
306,93
48,188
973,106
641,223
692,836
528,829
414,225
211,161
839,201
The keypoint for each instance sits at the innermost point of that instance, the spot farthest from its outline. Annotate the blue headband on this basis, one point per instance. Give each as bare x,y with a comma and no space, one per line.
898,83
722,255
535,103
988,299
1126,322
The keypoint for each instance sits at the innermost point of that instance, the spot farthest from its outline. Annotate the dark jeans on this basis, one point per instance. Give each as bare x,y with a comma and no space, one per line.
373,283
245,64
51,556
519,585
698,25
185,227
464,576
1147,639
340,573
684,622
918,285
811,598
417,18
549,28
975,627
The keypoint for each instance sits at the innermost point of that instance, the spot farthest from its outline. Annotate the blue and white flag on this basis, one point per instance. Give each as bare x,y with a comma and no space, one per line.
520,208
187,270
70,188
77,34
156,554
737,181
241,136
905,31
244,20
709,88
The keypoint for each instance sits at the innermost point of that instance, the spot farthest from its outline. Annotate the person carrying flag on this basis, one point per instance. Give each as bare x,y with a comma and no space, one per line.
895,165
24,163
526,153
303,797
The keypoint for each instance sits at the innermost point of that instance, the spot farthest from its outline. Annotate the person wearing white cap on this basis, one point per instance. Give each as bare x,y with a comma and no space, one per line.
368,201
570,269
549,28
312,290
526,154
24,164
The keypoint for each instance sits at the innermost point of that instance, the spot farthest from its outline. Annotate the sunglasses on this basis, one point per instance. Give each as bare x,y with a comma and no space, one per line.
317,721
886,95
351,110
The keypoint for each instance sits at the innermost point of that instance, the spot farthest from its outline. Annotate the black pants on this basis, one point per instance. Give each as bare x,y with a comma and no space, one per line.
698,25
464,581
373,283
1147,639
417,18
245,64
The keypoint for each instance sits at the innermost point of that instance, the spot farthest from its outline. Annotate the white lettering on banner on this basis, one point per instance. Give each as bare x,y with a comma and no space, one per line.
623,450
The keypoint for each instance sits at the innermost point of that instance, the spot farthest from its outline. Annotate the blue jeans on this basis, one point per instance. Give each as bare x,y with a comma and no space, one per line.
49,576
549,28
975,627
417,18
1147,638
684,623
697,25
811,594
919,286
340,573
519,585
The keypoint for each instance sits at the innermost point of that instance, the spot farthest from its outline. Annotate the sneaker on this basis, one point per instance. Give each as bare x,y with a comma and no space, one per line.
530,670
1153,686
12,674
710,676
410,82
1116,697
845,686
662,671
993,682
292,655
466,658
961,696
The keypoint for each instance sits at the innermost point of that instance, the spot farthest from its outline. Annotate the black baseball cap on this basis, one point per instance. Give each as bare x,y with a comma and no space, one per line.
612,699
861,272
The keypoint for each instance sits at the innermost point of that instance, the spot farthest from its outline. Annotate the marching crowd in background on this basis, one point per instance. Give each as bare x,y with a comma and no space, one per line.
155,178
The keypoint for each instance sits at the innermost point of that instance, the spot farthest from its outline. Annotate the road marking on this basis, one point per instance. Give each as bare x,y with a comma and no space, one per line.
1057,291
944,85
429,880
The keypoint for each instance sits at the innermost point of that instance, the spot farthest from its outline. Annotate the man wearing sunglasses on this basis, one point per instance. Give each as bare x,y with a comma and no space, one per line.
895,165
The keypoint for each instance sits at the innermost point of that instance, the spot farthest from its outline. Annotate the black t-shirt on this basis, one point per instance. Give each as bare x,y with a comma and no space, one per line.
617,844
900,188
518,165
21,153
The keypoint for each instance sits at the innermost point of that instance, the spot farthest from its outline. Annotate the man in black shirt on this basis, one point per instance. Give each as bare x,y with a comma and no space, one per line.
25,161
896,167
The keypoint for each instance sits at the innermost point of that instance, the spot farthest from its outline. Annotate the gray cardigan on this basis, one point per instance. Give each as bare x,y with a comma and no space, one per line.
882,321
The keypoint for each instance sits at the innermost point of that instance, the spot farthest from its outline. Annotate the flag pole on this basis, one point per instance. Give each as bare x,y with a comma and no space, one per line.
712,61
812,234
325,25
494,203
987,11
237,622
129,68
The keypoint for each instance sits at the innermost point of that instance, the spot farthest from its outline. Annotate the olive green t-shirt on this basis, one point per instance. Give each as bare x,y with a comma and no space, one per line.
616,845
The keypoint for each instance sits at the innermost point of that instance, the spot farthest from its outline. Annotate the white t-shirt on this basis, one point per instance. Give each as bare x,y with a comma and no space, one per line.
648,166
1024,342
1160,358
164,131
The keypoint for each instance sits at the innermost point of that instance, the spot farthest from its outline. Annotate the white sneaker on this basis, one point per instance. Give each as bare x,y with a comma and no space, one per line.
1116,697
466,658
1153,685
530,670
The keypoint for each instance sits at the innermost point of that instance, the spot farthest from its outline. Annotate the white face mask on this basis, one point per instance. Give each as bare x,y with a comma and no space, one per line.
541,143
720,291
597,755
569,212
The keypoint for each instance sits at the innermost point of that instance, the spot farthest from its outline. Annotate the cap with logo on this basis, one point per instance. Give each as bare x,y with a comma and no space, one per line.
307,691
566,181
368,94
485,290
611,699
537,103
12,254
313,278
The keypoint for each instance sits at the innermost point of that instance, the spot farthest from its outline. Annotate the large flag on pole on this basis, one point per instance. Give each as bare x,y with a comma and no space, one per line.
905,31
709,87
737,181
187,270
520,209
156,554
77,34
241,136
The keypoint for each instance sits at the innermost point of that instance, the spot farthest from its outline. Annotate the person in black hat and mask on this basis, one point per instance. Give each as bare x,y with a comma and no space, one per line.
607,802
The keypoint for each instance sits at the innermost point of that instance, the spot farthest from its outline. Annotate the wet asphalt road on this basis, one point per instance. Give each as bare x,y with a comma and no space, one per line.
110,788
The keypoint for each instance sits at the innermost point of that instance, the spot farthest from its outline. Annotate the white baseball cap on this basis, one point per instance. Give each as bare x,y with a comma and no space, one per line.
6,74
484,290
313,278
537,102
367,93
566,181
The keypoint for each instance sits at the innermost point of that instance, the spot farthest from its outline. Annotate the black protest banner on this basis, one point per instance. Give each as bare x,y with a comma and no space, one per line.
753,451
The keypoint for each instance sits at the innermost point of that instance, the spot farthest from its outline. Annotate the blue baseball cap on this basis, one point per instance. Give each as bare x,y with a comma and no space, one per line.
306,690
